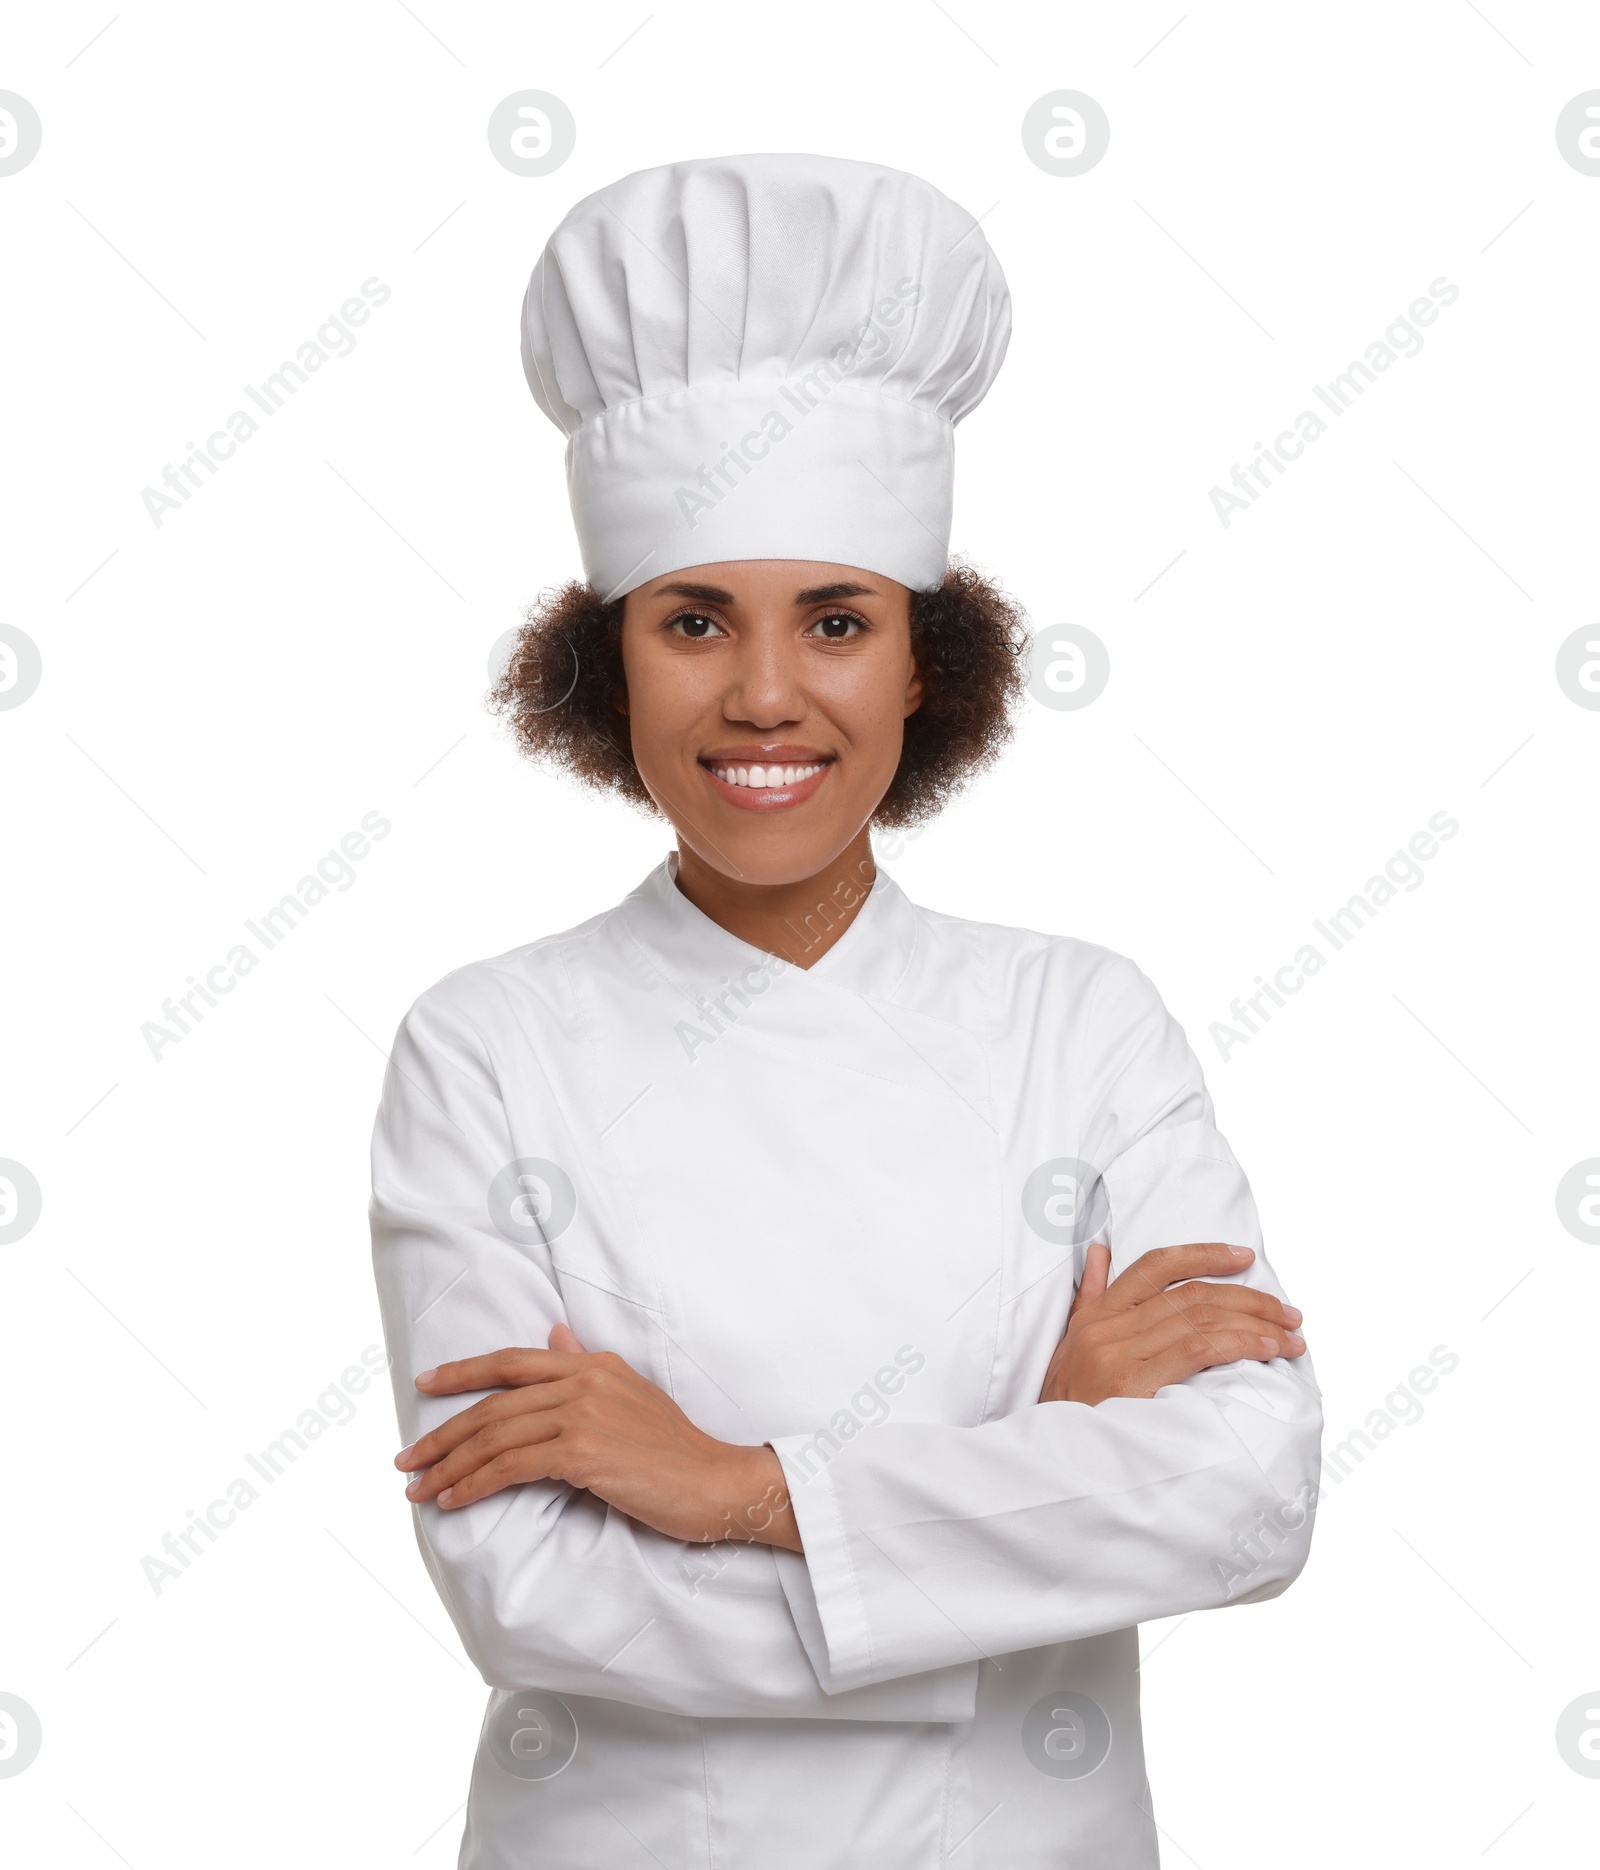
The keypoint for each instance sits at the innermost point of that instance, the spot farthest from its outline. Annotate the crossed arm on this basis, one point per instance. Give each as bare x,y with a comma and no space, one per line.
589,1419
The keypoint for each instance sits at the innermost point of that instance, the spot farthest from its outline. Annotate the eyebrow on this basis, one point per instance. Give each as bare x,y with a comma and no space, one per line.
817,594
826,593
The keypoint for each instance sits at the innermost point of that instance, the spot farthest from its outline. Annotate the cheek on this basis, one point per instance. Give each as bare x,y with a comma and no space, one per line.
867,702
665,696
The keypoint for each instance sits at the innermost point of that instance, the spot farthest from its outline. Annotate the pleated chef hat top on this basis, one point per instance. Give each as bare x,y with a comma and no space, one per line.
763,357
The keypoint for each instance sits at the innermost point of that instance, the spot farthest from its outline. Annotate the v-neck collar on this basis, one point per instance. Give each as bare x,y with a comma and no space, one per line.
699,955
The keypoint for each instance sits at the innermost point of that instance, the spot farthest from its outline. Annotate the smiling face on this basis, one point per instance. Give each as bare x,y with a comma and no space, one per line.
765,701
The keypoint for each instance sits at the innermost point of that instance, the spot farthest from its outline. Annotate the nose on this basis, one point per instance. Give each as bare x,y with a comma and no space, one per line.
765,688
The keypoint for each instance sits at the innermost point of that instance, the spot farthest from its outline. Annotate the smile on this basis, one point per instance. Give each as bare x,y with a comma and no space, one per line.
770,785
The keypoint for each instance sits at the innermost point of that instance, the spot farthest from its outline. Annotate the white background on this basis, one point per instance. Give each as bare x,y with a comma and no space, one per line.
224,696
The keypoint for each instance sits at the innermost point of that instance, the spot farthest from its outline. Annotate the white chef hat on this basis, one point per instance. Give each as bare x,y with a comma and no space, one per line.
763,357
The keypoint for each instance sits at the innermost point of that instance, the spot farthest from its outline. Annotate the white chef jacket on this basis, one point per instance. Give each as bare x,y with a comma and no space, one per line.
841,1210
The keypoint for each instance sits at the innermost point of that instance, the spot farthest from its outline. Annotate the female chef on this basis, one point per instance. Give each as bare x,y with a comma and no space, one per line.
727,1242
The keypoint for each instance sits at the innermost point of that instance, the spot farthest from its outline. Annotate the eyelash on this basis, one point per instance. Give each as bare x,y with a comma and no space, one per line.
848,616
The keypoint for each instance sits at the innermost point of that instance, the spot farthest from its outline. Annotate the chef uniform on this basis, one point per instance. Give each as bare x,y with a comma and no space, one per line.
841,1210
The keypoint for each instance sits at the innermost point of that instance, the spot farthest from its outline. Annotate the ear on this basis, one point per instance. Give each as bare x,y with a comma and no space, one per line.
916,688
619,700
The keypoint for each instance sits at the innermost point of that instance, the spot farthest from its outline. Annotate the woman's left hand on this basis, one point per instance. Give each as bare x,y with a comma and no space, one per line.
589,1419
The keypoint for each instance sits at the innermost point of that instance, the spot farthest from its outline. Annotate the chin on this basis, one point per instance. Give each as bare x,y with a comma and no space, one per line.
773,856
768,837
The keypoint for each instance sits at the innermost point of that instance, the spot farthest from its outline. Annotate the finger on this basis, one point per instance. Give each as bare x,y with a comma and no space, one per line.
1192,1351
511,1468
525,1400
1202,1305
564,1338
488,1444
1164,1266
498,1369
1096,1271
1195,1296
1209,1325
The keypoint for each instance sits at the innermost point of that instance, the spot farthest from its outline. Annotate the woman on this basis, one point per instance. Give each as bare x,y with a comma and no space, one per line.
823,1325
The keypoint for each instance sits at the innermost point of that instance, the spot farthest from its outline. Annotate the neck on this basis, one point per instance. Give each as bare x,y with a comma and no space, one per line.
800,921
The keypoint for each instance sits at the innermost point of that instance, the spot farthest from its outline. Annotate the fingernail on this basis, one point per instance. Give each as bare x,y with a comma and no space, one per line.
1296,1339
414,1488
1270,1344
1293,1314
426,1376
1241,1253
405,1455
447,1498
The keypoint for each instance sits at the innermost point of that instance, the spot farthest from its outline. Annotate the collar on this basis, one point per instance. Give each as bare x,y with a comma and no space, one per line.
699,956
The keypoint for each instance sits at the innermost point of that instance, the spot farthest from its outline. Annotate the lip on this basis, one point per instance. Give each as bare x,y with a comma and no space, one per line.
767,798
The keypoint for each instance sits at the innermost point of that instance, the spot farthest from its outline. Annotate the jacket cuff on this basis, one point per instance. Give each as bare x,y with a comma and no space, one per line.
833,1604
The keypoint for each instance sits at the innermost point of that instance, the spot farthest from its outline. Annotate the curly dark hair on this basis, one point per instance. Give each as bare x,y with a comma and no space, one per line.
560,688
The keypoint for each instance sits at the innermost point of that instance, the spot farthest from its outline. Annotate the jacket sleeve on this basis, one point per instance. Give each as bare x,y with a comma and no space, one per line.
925,1544
547,1586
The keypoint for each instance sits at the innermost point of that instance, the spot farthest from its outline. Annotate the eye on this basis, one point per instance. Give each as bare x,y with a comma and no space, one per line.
697,626
839,626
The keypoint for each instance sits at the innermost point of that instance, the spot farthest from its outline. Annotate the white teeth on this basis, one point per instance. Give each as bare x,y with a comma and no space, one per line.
766,777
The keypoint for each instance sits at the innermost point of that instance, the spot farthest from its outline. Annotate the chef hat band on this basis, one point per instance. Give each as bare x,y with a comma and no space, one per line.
763,357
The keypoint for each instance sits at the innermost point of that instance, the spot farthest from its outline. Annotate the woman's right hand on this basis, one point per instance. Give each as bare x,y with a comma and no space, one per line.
1159,1323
